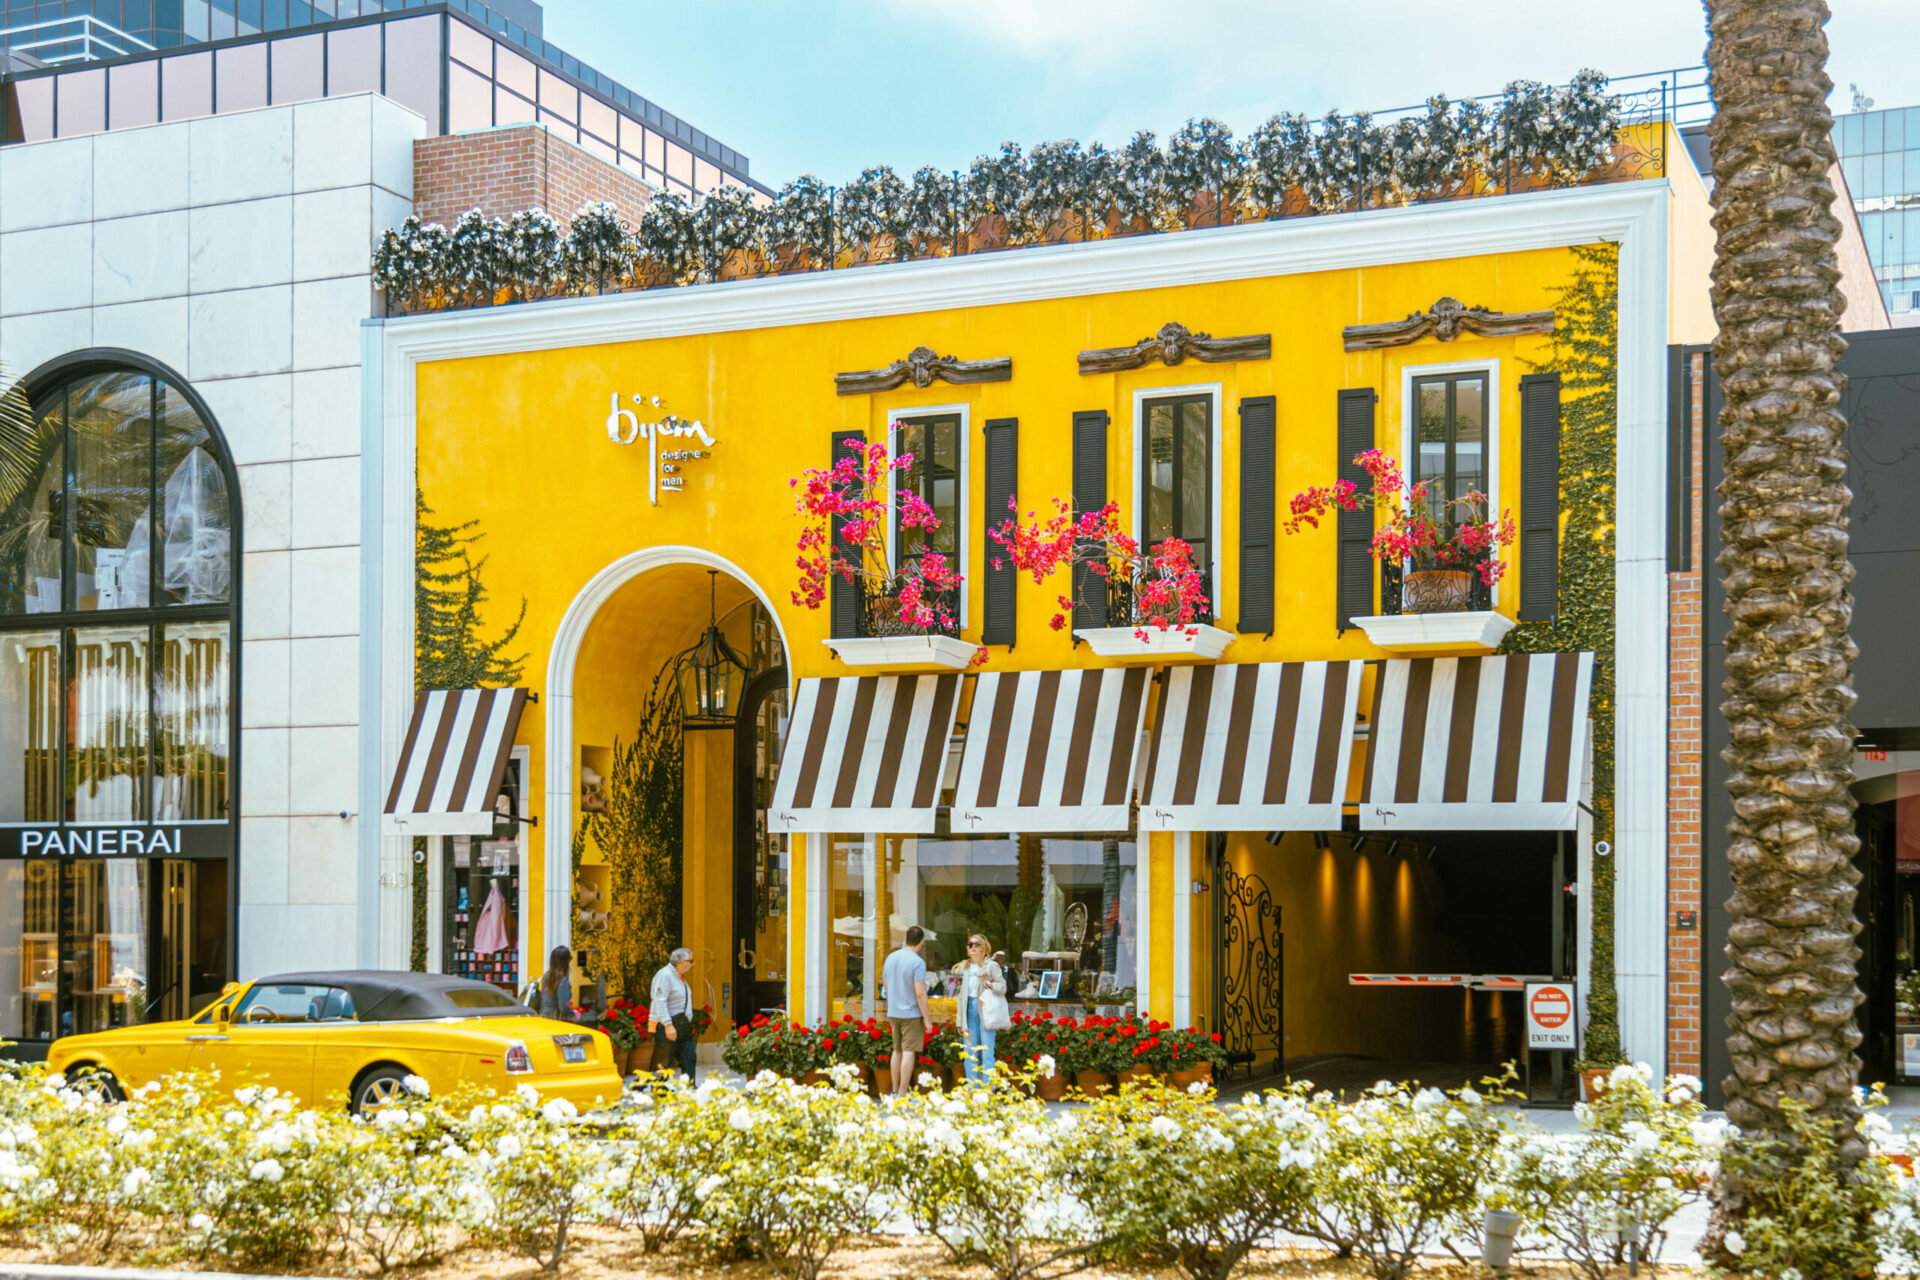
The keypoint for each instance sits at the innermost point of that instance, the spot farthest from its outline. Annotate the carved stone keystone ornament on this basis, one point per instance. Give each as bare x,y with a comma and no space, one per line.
922,367
1173,344
1445,320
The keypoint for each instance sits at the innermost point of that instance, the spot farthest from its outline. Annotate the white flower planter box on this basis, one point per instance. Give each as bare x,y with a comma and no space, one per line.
905,651
1125,643
1479,630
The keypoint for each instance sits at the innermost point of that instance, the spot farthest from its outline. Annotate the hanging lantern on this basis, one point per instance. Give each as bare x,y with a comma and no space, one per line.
711,675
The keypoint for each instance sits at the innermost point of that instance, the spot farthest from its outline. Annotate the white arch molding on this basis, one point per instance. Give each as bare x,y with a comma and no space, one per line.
558,697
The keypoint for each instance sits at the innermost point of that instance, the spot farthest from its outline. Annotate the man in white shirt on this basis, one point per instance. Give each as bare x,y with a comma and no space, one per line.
905,976
670,1015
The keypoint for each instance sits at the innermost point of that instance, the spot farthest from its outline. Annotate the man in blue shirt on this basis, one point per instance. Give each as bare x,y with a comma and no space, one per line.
905,977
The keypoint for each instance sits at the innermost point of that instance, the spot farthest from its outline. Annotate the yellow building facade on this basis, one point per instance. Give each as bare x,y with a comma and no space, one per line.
548,428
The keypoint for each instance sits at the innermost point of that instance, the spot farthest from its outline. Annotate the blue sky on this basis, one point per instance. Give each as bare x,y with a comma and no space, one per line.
830,86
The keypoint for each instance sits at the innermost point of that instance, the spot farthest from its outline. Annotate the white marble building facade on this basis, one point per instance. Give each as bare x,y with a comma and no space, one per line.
233,250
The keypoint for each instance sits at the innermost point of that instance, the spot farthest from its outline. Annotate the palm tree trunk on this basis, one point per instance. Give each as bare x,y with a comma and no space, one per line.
1792,1031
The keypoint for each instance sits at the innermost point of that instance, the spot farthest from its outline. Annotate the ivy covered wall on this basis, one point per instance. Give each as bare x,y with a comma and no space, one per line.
1585,352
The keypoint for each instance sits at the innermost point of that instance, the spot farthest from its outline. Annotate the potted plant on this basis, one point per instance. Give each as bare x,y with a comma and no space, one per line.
1438,545
1157,598
625,1023
943,1057
1192,1056
908,613
1594,1074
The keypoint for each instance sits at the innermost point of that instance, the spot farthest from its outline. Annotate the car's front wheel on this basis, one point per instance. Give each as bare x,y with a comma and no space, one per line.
95,1084
380,1087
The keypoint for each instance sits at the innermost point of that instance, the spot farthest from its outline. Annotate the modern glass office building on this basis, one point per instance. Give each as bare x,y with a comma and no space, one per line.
1880,155
95,65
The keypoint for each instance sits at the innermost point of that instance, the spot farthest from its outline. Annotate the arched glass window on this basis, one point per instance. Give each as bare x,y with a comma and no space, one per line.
118,557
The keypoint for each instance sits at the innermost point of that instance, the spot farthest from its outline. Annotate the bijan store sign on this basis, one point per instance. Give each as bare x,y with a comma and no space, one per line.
624,426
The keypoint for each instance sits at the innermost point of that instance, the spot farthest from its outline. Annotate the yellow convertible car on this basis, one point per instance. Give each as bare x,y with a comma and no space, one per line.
358,1033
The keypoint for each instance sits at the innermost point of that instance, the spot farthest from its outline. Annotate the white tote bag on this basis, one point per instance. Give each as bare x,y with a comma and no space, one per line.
994,1014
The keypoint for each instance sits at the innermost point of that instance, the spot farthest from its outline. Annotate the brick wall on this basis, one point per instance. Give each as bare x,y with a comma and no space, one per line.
506,170
1685,655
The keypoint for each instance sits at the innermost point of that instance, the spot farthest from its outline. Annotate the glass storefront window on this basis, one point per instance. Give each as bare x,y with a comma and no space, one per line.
97,943
1046,903
116,707
110,420
770,847
107,726
481,904
191,749
30,726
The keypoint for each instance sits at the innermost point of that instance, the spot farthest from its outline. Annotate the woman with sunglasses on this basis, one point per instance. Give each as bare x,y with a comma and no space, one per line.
983,1006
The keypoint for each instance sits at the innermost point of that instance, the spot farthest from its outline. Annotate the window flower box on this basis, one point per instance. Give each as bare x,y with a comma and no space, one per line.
904,651
1196,641
1470,631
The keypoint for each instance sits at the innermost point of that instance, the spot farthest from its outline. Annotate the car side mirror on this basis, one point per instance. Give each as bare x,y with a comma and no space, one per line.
223,1013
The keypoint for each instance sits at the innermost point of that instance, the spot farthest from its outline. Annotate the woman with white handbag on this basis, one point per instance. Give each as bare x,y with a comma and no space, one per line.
983,1006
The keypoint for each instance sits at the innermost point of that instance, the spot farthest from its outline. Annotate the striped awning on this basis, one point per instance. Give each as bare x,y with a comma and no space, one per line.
1252,747
1478,744
452,764
865,753
1051,751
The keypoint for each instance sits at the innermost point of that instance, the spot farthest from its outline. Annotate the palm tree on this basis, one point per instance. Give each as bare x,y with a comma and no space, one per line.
1792,1032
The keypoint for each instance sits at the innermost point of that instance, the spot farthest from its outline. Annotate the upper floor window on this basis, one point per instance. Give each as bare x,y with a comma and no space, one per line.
1177,475
933,442
117,555
1450,421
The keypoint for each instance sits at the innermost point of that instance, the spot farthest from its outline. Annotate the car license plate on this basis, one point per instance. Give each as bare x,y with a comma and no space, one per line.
573,1053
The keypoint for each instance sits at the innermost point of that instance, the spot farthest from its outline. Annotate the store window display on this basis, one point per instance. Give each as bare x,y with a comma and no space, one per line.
1058,910
118,539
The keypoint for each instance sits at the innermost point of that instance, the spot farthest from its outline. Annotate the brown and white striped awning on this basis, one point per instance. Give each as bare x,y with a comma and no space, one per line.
1478,744
1051,751
865,753
1252,747
452,764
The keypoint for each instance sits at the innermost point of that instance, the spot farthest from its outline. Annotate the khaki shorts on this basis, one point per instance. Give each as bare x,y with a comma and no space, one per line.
909,1035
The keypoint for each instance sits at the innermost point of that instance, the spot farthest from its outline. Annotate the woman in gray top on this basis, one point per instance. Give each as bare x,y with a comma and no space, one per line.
556,986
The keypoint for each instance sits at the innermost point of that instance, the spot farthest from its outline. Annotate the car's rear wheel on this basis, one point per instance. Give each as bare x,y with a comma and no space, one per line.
95,1084
380,1087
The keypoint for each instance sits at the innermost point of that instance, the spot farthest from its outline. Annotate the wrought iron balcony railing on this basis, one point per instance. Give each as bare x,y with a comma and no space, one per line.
878,613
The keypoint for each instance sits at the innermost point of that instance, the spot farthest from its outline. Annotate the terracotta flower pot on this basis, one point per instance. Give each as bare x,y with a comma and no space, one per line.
1051,1088
1593,1083
1436,591
880,1081
1092,1084
1134,1075
814,1078
934,1070
1185,1076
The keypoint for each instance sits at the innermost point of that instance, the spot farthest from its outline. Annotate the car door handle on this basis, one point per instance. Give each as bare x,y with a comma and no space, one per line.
207,1039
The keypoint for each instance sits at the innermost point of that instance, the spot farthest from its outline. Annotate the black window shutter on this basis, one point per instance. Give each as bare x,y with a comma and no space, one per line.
1002,475
1089,494
843,598
1256,514
1539,497
1353,591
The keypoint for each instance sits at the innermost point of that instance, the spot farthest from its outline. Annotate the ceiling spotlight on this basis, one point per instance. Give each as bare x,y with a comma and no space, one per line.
1275,837
1359,842
1321,841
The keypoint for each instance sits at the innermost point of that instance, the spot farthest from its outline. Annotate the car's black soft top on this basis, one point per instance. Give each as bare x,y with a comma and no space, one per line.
396,995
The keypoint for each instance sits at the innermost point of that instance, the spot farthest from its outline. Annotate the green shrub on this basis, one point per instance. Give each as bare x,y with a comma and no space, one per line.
1173,1178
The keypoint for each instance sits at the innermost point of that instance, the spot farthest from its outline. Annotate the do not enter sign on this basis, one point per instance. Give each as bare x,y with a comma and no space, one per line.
1550,1021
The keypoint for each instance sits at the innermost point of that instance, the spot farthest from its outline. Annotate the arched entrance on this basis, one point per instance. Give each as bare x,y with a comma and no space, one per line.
614,730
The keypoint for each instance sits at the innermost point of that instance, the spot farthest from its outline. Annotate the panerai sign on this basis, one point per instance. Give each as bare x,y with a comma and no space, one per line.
101,842
663,466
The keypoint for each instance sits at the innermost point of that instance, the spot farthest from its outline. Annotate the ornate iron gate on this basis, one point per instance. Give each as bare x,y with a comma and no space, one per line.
1249,964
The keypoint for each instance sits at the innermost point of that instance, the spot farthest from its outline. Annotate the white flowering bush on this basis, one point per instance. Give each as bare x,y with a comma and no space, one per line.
1401,1170
1641,1155
984,1171
407,1181
600,251
796,1172
664,1150
534,1174
1174,1178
